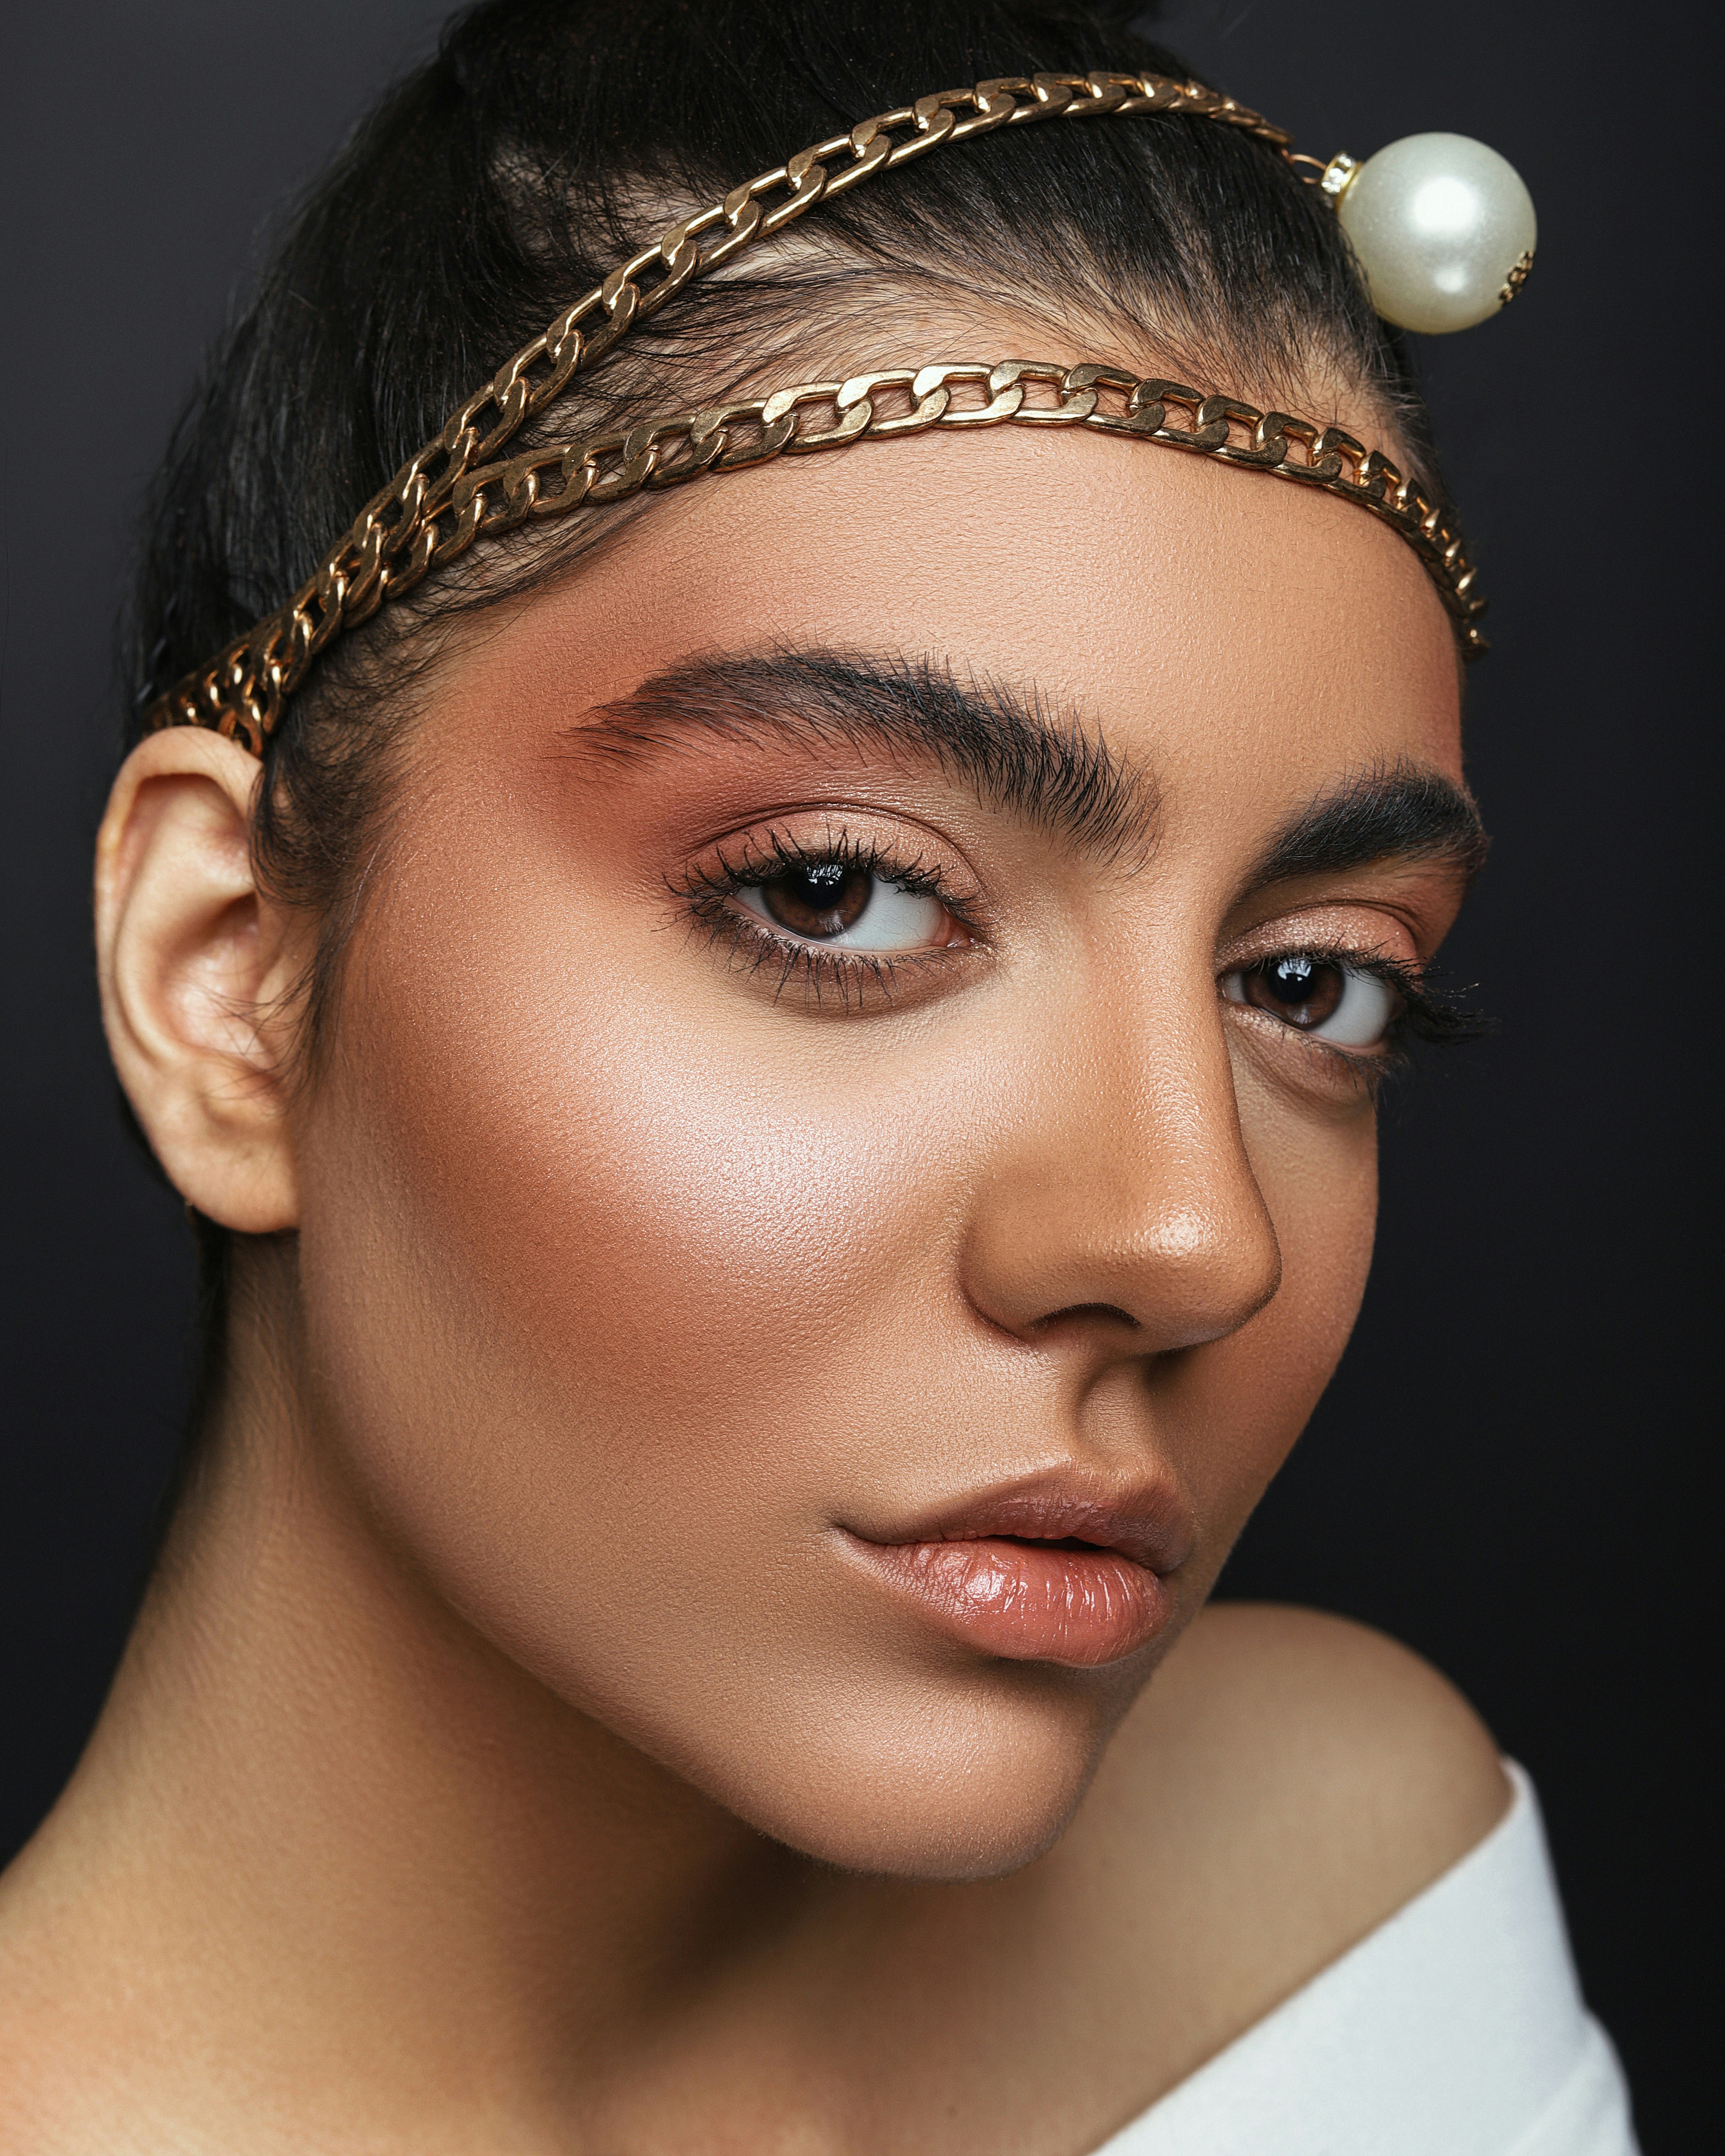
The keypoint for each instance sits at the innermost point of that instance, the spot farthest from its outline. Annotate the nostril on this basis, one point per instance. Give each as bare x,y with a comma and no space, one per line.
1085,1313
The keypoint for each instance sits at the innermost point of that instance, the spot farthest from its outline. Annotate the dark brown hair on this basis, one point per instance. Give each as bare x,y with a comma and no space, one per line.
549,138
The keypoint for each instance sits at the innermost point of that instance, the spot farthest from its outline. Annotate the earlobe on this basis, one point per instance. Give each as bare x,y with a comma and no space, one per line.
195,968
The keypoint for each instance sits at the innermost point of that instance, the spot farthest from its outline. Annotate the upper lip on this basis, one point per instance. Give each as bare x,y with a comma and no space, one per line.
1146,1520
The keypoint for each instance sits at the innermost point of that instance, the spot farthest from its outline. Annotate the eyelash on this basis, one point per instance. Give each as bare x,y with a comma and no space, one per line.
1426,1014
708,893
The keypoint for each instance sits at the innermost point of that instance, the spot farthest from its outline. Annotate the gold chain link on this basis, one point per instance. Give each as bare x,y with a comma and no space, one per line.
456,488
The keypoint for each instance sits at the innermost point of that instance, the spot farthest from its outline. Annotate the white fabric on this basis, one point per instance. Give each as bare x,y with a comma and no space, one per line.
1456,2029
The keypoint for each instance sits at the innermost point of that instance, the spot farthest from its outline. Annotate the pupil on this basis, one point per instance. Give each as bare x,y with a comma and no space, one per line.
823,899
1291,980
1300,989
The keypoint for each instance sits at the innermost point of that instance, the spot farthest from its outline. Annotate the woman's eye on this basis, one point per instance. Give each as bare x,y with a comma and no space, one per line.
841,902
1316,995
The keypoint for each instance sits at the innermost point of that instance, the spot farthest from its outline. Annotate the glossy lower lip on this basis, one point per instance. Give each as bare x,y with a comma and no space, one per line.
1027,1601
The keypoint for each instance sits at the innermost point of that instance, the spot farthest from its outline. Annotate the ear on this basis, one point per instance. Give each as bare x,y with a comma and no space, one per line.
196,972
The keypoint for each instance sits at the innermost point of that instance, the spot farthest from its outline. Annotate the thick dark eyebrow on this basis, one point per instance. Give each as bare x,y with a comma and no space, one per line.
1018,750
1404,811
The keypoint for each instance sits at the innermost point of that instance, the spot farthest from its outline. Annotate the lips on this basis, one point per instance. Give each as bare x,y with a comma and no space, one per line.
1053,1574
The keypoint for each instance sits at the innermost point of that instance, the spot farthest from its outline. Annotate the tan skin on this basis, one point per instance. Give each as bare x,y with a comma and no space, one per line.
510,1758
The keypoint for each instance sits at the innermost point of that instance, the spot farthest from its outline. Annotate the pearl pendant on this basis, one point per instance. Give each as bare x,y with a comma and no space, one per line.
1442,226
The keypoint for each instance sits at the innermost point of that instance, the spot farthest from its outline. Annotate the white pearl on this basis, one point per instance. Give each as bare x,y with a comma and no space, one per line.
1440,225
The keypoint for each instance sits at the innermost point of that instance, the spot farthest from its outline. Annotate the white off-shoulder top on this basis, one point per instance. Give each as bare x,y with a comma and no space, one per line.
1456,2029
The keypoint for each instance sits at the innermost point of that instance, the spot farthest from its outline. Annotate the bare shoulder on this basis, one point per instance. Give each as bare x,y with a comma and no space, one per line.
1351,1726
75,2011
1323,1735
1289,1781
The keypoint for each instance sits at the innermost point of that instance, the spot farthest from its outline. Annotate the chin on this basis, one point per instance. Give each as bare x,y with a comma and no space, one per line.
986,1842
926,1790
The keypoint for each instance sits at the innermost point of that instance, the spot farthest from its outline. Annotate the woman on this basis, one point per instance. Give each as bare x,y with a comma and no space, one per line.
776,1079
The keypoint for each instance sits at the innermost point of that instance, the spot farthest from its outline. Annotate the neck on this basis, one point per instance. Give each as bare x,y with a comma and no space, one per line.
315,1779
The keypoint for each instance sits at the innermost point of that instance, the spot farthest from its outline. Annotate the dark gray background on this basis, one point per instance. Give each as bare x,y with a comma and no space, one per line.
1505,1472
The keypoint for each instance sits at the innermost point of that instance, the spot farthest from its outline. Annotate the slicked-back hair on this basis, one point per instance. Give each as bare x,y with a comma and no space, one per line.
549,139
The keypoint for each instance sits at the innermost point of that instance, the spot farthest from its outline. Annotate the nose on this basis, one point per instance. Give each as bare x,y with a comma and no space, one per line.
1119,1187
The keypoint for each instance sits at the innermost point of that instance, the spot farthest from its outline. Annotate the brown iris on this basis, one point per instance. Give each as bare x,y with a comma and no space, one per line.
823,899
1300,990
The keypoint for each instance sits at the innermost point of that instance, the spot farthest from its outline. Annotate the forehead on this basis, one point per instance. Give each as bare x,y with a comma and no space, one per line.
1204,617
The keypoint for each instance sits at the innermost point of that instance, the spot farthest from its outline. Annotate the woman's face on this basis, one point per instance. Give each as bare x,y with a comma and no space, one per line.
851,1155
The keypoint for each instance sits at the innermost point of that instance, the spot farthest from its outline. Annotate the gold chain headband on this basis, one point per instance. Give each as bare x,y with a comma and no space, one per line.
455,488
